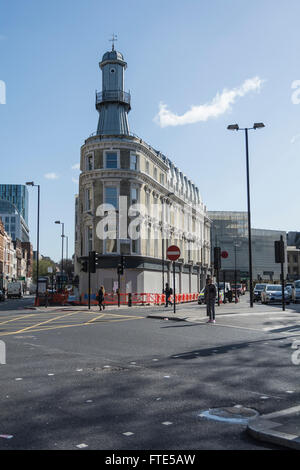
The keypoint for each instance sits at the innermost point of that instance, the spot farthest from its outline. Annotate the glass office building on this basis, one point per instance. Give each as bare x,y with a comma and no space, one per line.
17,194
14,223
230,232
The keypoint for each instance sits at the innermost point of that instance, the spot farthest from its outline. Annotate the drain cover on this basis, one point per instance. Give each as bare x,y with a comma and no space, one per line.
236,414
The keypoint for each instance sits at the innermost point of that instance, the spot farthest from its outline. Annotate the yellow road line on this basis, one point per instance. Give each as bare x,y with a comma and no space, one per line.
18,318
47,321
96,318
65,326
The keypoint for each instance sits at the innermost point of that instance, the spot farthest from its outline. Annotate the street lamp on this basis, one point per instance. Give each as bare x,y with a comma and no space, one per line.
31,183
163,242
235,127
62,243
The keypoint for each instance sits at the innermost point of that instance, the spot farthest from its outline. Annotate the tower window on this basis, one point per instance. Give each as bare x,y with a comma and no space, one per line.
111,195
112,70
112,160
133,162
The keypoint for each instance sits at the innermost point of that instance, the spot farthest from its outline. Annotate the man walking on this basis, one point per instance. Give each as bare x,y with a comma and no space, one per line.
210,294
168,292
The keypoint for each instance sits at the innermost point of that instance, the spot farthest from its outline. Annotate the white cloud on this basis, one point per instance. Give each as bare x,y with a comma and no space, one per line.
220,104
76,166
295,138
51,176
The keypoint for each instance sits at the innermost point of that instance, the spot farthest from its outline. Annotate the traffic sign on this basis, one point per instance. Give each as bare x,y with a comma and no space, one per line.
173,253
224,254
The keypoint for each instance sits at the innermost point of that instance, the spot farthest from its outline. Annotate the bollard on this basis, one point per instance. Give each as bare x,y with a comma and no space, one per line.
129,300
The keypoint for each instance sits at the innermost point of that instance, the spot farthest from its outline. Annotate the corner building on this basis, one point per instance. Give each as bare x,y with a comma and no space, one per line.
125,187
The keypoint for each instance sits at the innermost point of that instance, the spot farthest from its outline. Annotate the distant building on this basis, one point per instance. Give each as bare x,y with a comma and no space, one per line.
293,261
293,239
17,194
230,233
14,223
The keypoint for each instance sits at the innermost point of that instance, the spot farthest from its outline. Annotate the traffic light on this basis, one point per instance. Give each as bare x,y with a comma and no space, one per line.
84,266
92,261
121,266
217,257
279,251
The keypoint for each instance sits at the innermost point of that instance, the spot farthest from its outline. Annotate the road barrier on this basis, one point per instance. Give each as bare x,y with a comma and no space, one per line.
144,298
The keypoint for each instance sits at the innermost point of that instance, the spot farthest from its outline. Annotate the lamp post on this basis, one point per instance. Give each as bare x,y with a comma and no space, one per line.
62,243
163,243
235,127
31,183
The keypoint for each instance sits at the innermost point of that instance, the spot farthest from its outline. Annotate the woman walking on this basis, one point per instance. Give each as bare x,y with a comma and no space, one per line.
101,294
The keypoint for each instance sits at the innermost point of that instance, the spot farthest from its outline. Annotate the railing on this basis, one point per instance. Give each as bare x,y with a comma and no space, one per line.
139,299
114,95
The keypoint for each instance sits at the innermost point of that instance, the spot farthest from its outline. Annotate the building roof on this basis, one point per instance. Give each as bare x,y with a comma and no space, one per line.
112,55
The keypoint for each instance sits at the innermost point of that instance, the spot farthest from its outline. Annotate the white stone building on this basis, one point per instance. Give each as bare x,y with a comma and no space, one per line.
134,202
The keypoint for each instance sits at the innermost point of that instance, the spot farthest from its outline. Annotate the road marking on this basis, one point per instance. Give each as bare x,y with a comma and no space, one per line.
34,329
96,318
17,318
47,321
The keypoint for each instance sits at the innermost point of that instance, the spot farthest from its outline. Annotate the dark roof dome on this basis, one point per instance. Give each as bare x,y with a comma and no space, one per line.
112,55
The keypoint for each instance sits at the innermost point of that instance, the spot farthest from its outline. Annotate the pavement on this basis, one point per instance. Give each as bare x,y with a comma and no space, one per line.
281,427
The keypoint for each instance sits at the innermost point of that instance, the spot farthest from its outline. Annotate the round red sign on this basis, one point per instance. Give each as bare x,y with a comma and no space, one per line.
224,254
173,253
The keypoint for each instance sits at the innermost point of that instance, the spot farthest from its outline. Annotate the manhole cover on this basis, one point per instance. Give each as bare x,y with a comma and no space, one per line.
236,414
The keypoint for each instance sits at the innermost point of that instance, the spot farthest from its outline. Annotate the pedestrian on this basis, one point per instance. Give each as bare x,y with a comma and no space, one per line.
210,297
101,294
168,292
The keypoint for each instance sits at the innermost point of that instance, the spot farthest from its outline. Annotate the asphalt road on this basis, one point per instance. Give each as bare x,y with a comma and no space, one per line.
120,381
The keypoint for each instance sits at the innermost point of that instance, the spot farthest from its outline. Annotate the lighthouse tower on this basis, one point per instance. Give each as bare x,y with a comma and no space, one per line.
113,103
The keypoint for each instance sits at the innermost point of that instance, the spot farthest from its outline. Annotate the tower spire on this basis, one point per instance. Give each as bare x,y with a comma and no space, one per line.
114,38
113,103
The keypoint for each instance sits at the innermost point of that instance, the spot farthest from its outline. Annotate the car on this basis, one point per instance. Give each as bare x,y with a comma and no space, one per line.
273,293
296,292
257,291
2,296
289,288
201,299
239,289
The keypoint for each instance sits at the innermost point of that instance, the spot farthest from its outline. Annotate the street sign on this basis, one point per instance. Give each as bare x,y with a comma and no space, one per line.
224,254
173,253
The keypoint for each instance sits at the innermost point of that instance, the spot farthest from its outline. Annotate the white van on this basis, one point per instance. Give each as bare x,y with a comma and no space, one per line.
14,289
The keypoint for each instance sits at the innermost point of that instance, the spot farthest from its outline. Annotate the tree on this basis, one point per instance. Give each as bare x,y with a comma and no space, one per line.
68,267
44,264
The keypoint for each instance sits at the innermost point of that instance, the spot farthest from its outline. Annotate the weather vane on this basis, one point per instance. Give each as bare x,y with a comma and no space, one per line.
114,38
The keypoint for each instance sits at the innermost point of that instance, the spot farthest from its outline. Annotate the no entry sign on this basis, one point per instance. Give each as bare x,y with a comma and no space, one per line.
224,254
173,253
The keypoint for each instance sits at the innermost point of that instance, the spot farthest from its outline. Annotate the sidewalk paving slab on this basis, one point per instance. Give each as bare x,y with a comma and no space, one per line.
281,428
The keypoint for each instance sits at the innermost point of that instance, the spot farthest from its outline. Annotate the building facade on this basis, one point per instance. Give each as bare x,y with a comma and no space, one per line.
230,233
293,262
133,201
17,194
14,223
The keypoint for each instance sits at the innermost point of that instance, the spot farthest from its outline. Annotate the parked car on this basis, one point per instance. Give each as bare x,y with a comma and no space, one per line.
257,291
2,296
289,289
296,292
273,293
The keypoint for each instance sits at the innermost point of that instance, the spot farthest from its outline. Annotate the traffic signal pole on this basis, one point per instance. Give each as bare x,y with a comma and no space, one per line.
89,284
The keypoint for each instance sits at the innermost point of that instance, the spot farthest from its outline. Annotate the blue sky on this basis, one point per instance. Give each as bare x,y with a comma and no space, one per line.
179,53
